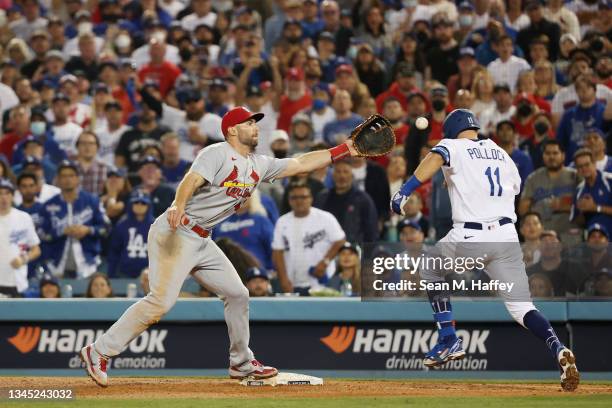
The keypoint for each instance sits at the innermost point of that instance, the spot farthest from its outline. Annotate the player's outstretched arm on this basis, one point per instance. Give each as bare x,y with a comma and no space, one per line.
315,160
185,190
426,170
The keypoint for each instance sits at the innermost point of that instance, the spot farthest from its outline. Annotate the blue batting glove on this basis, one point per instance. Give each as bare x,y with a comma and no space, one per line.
399,199
397,203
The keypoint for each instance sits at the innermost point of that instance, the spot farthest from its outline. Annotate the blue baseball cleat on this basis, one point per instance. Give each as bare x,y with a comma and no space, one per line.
444,352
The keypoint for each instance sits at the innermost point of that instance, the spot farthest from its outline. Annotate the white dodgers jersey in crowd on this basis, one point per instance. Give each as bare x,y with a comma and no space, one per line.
482,179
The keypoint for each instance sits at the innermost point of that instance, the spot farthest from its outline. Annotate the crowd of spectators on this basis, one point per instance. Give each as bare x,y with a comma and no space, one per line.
105,103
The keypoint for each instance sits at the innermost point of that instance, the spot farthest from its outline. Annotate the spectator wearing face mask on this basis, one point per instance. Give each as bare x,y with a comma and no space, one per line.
321,113
542,131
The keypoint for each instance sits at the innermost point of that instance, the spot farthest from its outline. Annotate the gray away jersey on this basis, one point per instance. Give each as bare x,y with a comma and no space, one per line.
230,180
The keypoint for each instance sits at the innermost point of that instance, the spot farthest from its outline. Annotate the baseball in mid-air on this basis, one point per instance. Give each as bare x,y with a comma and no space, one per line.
421,123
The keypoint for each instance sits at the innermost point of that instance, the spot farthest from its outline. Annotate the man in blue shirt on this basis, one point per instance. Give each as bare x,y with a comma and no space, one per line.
576,120
593,199
173,167
337,131
595,141
507,140
251,229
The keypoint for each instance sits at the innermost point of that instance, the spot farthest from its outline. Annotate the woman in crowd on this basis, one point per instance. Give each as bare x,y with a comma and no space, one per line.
99,287
348,270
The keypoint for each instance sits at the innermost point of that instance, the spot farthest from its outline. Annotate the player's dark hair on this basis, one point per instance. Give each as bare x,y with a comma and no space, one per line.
552,142
24,176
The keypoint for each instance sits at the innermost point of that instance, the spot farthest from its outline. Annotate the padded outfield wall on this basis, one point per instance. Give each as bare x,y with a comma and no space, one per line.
323,336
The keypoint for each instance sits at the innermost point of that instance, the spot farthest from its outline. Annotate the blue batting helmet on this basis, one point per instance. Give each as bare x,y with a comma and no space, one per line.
457,121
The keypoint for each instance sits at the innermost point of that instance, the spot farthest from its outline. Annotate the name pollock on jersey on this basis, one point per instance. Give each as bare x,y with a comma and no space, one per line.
486,154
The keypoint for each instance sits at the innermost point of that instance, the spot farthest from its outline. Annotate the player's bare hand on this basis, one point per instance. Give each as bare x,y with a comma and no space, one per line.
175,214
349,143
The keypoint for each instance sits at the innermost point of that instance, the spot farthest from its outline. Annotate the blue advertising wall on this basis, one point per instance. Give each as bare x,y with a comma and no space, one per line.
324,336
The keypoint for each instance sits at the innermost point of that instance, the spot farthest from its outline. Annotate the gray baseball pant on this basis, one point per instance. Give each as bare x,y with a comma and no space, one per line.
173,256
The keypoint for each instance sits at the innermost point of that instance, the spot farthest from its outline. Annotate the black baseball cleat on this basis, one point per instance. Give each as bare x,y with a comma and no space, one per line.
570,378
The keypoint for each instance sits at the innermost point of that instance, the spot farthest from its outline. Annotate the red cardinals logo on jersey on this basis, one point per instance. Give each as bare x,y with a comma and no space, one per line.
237,189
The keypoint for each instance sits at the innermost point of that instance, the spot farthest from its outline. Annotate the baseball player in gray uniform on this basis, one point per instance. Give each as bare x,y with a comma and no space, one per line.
221,179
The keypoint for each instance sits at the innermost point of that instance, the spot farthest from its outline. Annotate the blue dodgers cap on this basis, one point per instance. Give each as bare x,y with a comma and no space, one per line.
351,247
140,196
47,278
32,139
598,227
149,160
255,272
67,164
466,5
116,172
467,52
7,185
457,121
218,83
596,131
408,223
30,160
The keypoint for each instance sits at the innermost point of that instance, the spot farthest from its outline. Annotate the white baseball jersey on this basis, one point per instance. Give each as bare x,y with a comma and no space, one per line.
230,180
17,236
305,241
482,179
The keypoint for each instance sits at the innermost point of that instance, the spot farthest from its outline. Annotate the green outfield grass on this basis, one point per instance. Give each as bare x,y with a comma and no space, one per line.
563,400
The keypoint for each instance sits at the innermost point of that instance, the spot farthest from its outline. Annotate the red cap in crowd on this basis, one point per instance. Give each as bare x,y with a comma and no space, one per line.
344,69
236,116
295,74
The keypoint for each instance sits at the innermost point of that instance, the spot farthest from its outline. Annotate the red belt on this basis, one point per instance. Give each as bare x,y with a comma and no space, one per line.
204,233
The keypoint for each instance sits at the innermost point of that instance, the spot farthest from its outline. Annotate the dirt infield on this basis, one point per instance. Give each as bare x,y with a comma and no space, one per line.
164,388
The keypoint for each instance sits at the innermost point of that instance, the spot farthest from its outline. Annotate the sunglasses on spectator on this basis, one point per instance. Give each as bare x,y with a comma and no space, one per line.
299,197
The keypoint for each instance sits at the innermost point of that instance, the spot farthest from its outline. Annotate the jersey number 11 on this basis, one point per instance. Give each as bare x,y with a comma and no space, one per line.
489,175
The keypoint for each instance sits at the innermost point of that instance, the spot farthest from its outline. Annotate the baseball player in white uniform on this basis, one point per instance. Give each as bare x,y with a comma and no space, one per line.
482,183
221,179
